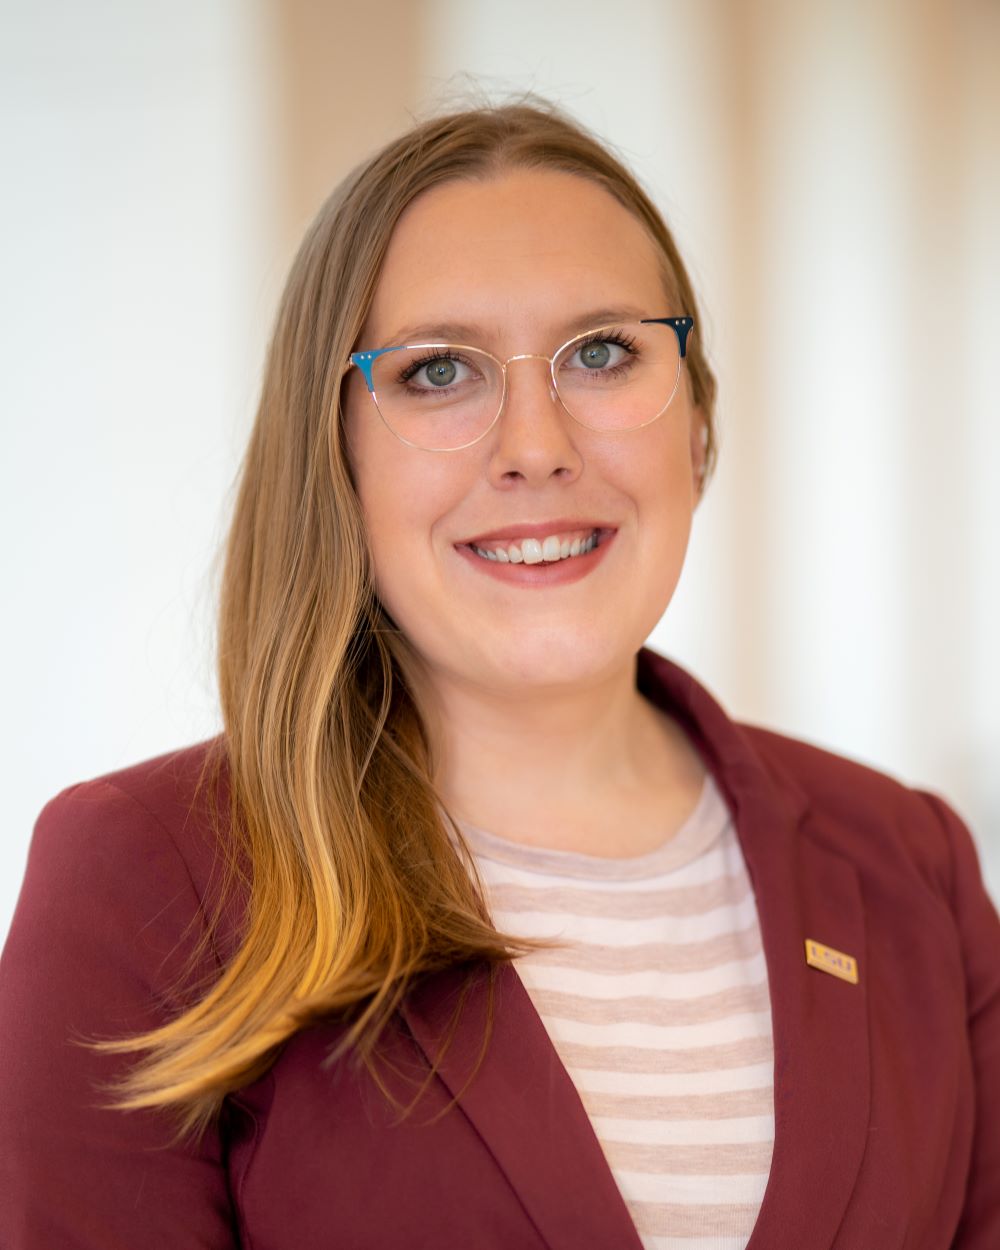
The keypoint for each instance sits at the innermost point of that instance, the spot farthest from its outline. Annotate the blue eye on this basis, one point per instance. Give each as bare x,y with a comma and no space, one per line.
436,372
595,355
607,351
440,372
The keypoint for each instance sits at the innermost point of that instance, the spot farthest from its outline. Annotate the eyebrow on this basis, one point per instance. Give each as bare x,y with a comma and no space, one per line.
467,332
438,332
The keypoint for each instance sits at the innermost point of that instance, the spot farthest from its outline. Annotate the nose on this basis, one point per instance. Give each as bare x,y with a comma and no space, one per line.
534,440
533,356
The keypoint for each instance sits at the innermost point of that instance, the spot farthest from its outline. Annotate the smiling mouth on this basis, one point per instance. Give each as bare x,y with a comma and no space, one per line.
534,551
550,550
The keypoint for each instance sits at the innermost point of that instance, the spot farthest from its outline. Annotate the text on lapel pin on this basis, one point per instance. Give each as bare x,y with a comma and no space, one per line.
826,959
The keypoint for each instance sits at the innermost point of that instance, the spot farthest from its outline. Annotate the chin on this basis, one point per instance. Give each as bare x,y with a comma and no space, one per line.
550,657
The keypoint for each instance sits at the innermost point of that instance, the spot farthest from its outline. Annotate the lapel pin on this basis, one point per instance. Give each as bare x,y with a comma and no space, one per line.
826,959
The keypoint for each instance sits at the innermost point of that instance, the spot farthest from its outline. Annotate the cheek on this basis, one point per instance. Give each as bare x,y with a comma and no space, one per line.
658,468
380,505
406,499
400,566
394,532
662,486
375,464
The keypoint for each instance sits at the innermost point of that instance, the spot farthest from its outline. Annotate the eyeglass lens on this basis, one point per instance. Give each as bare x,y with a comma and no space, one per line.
442,397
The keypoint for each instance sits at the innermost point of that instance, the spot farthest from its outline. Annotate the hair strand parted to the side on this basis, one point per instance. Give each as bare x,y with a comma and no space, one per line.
346,876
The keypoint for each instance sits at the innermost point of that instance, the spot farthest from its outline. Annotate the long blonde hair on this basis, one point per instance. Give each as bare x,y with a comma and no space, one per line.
334,835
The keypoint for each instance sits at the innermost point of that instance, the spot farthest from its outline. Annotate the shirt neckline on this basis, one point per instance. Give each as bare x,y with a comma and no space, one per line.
696,834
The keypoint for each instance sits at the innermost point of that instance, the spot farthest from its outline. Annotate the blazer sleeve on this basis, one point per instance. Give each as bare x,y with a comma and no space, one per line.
106,915
979,931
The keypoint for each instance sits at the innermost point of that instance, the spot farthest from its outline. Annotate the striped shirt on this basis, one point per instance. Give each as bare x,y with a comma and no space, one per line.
658,1008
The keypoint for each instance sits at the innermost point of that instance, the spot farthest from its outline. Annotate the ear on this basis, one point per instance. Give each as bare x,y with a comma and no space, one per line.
699,434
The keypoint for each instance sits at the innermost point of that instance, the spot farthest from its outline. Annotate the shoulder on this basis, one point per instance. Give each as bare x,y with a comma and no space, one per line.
108,941
167,800
164,786
824,775
859,812
130,851
862,812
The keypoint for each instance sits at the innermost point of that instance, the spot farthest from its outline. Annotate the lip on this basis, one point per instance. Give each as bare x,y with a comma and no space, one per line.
545,574
540,529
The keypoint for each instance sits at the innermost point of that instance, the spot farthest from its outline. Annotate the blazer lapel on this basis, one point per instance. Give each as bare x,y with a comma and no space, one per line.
820,1023
524,1105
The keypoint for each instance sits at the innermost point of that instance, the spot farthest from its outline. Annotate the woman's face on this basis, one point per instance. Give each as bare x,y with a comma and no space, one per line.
521,262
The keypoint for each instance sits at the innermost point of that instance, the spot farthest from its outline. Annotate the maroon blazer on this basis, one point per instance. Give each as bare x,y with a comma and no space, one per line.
887,1092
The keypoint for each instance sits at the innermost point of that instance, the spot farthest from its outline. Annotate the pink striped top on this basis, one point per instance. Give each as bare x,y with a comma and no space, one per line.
659,1010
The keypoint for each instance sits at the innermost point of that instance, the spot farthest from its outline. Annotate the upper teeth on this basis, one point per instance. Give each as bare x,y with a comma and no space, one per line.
531,551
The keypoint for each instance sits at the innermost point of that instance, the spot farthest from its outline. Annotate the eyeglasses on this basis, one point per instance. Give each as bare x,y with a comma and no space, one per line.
447,396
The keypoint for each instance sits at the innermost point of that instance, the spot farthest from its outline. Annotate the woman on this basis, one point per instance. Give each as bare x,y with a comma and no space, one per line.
262,991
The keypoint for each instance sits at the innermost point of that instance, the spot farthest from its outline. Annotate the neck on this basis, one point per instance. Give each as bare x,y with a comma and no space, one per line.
534,763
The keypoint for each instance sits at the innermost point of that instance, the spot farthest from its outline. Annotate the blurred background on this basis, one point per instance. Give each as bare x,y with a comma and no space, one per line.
832,173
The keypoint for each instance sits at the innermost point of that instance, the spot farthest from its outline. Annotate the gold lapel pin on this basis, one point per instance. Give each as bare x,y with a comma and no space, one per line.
826,959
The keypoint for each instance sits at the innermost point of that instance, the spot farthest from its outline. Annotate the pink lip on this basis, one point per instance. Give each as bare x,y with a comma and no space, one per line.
542,529
558,573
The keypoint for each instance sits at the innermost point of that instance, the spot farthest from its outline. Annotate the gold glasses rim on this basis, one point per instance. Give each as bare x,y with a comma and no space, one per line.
667,323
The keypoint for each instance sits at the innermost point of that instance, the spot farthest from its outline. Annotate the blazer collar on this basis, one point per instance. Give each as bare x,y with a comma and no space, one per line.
524,1104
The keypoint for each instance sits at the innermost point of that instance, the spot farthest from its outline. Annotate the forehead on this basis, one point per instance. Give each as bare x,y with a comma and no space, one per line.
520,253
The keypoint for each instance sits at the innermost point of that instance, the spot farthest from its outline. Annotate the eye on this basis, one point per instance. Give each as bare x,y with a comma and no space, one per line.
435,372
440,372
595,355
606,351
